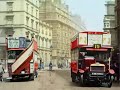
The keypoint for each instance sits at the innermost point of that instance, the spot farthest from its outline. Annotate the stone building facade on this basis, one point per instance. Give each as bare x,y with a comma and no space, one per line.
20,18
109,22
57,14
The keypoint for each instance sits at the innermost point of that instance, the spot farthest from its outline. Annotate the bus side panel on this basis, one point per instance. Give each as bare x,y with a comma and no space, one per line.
74,44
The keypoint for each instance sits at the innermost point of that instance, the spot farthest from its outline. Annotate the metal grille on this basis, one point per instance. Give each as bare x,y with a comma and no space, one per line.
97,68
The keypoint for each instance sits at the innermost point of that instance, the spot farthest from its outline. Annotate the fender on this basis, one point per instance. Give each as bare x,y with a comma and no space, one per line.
81,71
111,71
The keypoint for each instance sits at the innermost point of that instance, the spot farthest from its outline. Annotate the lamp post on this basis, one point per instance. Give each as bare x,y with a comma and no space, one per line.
51,53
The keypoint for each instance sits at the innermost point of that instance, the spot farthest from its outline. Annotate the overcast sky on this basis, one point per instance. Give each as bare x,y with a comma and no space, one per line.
91,11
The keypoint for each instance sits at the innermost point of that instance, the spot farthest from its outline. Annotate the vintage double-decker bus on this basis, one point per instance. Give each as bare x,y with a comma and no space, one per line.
22,57
90,62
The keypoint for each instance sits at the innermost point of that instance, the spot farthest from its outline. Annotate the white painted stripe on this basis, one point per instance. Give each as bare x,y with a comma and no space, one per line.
22,58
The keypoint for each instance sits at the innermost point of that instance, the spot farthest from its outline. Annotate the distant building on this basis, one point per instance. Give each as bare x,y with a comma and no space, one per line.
109,21
117,28
57,14
78,20
45,42
20,18
117,23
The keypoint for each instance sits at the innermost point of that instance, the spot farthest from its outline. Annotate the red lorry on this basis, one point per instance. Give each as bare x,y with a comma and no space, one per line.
90,58
22,57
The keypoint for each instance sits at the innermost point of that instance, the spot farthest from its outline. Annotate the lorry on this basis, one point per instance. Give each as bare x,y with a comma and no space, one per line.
22,57
90,58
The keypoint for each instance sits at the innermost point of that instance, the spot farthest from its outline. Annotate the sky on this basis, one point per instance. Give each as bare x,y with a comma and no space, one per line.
91,11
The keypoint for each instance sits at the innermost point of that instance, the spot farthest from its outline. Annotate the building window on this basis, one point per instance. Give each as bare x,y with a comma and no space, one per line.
46,43
49,32
42,55
50,43
27,21
32,21
27,6
36,25
36,3
107,25
46,31
31,10
9,6
9,19
42,31
36,13
42,42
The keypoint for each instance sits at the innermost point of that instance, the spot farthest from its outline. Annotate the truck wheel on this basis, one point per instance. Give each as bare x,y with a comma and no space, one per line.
81,80
13,79
31,77
73,80
109,84
73,77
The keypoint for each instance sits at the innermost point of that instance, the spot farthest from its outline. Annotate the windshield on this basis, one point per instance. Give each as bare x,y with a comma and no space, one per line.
98,55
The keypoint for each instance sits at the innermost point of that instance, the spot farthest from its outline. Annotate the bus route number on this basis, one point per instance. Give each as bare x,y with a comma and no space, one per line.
97,46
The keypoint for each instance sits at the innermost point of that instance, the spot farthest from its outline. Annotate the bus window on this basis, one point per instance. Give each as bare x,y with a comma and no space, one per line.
14,54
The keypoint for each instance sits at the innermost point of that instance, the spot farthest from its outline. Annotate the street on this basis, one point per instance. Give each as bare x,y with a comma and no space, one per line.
55,80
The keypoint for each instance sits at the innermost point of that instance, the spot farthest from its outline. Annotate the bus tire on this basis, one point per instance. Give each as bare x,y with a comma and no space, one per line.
81,80
73,77
109,84
31,77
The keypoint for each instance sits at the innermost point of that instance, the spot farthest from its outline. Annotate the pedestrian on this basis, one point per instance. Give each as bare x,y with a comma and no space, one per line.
42,65
61,66
1,72
50,66
36,73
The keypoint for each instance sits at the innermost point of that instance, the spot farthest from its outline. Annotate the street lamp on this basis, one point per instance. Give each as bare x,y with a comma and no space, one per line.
51,53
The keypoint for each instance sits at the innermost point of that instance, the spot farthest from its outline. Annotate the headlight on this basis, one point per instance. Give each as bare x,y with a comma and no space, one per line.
22,72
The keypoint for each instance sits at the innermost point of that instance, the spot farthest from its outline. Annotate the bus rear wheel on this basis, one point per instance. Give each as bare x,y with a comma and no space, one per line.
109,84
31,77
73,77
81,80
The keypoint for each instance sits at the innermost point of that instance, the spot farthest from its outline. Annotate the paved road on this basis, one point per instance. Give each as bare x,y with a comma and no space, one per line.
55,80
66,75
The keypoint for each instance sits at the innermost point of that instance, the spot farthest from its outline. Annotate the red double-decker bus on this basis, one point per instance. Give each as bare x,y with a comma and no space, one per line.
90,58
22,57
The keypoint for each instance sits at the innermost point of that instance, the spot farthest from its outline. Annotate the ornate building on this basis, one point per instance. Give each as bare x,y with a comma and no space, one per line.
20,18
109,22
117,17
45,42
57,14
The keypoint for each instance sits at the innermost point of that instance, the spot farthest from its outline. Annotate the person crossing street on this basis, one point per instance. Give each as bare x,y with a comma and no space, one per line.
50,66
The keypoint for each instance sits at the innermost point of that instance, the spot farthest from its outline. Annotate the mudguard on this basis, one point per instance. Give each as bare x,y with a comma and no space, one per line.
111,71
81,71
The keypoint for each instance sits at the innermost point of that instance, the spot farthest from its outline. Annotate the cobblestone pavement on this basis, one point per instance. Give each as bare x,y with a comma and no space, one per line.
55,80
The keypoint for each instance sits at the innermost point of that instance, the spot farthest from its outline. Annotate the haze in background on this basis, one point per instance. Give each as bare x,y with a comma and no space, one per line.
91,12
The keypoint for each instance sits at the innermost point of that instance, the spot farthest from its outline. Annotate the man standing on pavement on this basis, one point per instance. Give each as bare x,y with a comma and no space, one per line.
36,73
1,72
